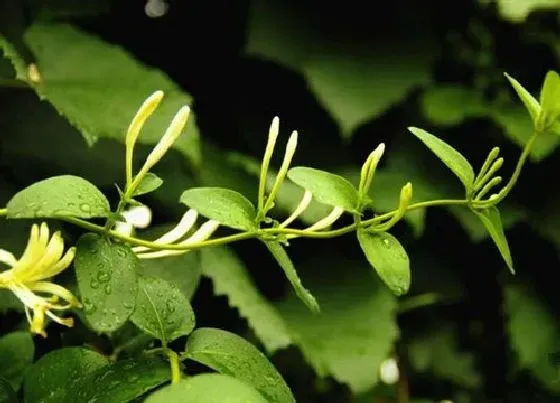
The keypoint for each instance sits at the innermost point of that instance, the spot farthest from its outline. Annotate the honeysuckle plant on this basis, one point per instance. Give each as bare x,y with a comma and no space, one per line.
105,259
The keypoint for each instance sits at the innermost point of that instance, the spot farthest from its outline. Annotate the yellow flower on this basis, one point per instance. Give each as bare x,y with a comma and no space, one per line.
42,259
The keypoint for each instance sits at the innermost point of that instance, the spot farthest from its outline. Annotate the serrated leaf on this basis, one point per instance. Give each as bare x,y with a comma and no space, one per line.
536,350
232,355
59,196
531,104
112,87
326,187
491,220
149,183
356,329
437,352
230,278
550,98
286,264
389,259
106,274
53,377
448,155
7,393
226,206
207,388
162,310
16,352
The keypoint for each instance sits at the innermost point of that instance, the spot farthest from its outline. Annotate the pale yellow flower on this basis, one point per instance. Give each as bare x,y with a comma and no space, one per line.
27,277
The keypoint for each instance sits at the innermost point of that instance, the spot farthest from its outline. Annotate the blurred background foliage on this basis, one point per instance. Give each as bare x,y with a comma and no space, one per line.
347,76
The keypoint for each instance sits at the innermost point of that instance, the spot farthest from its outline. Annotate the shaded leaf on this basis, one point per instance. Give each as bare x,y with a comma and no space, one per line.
286,264
7,394
232,355
448,155
208,388
162,310
54,376
389,259
534,334
16,352
149,183
101,97
106,274
59,196
226,206
491,220
326,187
230,278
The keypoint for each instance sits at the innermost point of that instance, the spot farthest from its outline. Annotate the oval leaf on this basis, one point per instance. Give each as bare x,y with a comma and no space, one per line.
326,187
448,155
389,259
232,355
226,206
17,350
106,274
53,376
59,196
149,183
491,220
286,264
162,310
550,97
207,388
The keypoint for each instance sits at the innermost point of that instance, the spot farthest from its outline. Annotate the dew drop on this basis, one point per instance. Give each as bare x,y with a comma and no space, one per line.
94,283
170,306
121,252
103,276
108,289
85,207
89,307
128,305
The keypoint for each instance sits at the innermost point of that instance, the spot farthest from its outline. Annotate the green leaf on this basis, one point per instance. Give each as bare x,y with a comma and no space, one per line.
448,105
437,352
7,394
356,329
207,388
162,310
535,349
149,183
230,278
286,264
226,206
448,155
16,352
122,381
54,376
59,196
232,355
101,97
491,220
106,273
518,10
326,187
531,104
550,98
389,259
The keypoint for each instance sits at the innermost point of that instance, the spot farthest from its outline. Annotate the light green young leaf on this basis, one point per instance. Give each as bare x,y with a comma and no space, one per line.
230,278
491,220
149,183
106,274
7,393
54,376
207,388
534,334
356,329
226,206
437,352
112,86
232,355
550,98
389,259
16,352
448,155
59,196
326,187
531,104
286,264
162,310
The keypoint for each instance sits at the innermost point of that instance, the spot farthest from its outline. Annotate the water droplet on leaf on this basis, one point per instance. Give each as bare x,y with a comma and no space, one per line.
108,289
93,283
